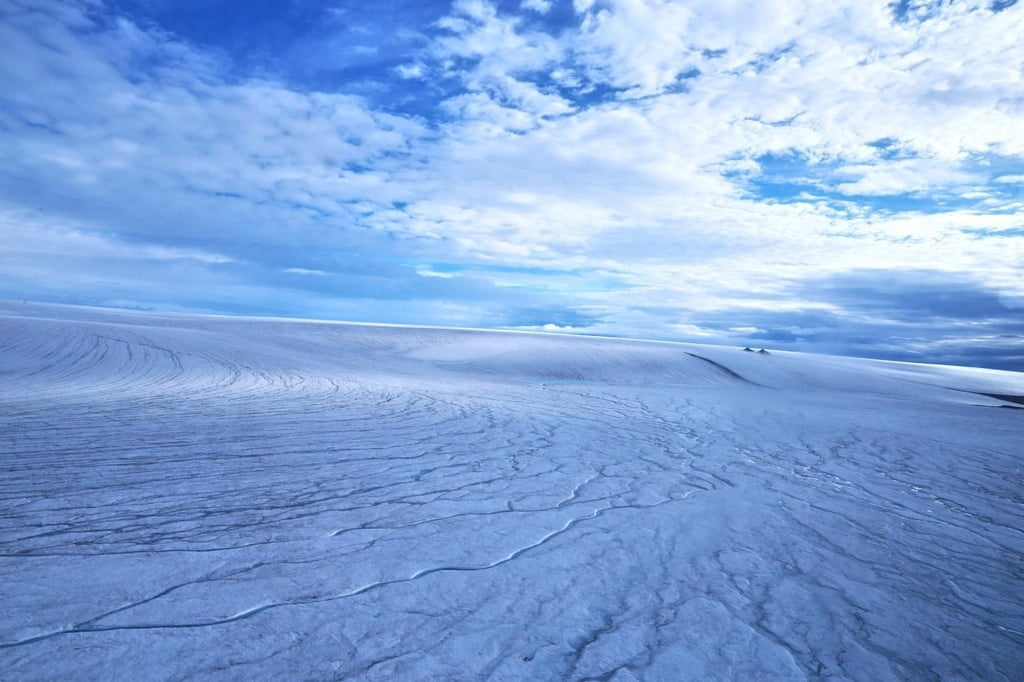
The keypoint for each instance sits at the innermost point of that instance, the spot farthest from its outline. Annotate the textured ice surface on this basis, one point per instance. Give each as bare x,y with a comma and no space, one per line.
198,497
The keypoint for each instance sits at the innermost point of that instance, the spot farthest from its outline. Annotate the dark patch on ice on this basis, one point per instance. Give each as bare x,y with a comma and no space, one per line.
1019,399
723,368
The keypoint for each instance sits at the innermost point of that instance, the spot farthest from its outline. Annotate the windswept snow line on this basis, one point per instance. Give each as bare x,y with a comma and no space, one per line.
248,613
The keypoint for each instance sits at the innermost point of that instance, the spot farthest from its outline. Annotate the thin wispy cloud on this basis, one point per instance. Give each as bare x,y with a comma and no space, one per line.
730,171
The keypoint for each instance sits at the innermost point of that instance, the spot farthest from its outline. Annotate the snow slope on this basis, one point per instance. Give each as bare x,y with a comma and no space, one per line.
202,497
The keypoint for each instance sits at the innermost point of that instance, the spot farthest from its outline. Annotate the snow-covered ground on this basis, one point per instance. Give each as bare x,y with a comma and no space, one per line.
202,497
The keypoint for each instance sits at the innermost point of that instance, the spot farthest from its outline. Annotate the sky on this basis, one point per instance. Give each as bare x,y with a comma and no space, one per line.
839,177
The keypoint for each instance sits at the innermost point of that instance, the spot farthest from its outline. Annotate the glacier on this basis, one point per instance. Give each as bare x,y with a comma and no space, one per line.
202,497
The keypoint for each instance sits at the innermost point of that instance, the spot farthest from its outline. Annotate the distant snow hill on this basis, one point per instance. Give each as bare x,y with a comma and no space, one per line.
226,498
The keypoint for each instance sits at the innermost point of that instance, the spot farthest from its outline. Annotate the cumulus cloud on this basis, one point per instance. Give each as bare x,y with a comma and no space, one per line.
902,177
539,6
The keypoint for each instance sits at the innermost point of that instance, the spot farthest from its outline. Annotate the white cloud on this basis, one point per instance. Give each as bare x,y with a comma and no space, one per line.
505,58
427,272
176,146
32,236
901,177
577,150
410,71
640,46
305,271
538,6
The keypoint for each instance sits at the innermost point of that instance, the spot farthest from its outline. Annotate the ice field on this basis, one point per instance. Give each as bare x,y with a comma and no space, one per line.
216,498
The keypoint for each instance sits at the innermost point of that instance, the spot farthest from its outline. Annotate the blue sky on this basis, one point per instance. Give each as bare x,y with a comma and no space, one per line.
843,177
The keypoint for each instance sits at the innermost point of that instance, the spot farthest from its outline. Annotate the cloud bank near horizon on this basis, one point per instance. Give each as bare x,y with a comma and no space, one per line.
846,178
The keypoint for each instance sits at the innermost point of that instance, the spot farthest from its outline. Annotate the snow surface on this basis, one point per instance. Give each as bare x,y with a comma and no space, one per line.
202,497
